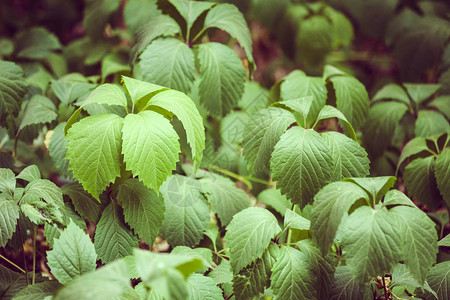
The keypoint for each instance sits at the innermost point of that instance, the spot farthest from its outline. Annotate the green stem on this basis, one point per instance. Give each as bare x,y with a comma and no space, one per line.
198,35
34,256
13,264
262,181
233,175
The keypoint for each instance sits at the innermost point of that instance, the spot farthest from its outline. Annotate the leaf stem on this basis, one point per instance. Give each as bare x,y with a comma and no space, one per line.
34,256
198,35
13,264
233,175
262,181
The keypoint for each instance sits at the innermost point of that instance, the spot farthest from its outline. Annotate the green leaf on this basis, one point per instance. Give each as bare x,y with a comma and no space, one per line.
204,254
421,92
442,103
345,287
73,118
297,85
248,236
68,91
9,214
438,279
150,147
261,134
139,91
143,209
107,93
94,151
161,25
445,241
429,123
392,91
293,275
395,197
138,12
299,107
39,110
413,147
420,240
301,164
402,277
168,62
184,108
57,150
202,287
191,10
228,18
380,125
252,280
351,99
373,242
38,290
226,199
442,173
30,173
274,199
330,112
73,254
7,181
222,273
350,159
12,89
420,181
376,187
107,282
329,206
36,43
295,221
115,63
222,77
323,267
187,213
113,239
97,15
255,97
86,205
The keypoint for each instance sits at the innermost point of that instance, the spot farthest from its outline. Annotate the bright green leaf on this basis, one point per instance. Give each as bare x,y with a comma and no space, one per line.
445,241
300,107
107,93
30,173
295,221
204,254
191,10
139,91
7,181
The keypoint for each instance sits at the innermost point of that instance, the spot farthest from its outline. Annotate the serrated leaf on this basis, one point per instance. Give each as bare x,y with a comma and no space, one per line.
420,240
351,99
57,150
39,110
190,10
372,241
107,93
222,77
442,173
295,221
168,62
187,213
297,84
429,123
94,151
274,199
143,209
38,290
350,159
376,187
330,112
293,275
87,206
139,91
7,181
438,279
184,108
202,287
73,254
36,43
68,91
30,173
252,280
378,130
392,91
420,181
228,18
261,134
413,147
13,88
222,273
323,267
9,214
161,25
329,206
402,277
225,198
345,286
113,239
299,107
150,147
301,164
249,234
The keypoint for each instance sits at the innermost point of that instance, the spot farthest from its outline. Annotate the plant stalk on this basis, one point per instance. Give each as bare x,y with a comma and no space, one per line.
34,256
13,264
233,175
